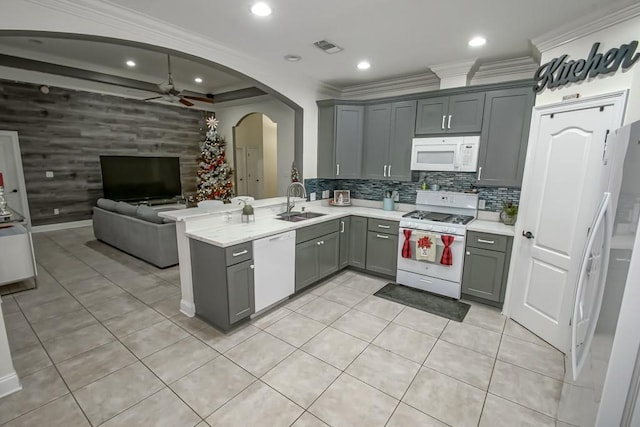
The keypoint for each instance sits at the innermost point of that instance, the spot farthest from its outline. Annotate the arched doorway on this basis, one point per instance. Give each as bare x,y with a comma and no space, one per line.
255,142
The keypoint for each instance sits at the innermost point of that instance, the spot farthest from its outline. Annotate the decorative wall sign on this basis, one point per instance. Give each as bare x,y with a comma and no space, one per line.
559,71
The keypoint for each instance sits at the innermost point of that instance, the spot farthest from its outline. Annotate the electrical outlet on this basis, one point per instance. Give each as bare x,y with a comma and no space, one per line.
312,196
325,194
56,211
48,174
482,204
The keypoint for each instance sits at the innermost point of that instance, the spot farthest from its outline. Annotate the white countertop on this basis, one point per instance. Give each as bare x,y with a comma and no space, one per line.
228,233
185,214
494,227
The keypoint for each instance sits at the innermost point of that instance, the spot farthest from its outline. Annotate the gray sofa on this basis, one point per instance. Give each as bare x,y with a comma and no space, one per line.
137,231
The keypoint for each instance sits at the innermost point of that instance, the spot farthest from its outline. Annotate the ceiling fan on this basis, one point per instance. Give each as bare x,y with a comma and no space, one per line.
169,92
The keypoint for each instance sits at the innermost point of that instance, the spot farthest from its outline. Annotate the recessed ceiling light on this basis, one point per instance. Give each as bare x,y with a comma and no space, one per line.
477,41
293,58
364,65
261,9
131,63
198,80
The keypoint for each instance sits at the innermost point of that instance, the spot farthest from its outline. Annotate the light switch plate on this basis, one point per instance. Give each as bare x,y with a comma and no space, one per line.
56,211
325,194
48,174
312,196
482,204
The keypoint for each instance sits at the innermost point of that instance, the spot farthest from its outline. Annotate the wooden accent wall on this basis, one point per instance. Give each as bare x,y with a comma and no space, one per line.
66,131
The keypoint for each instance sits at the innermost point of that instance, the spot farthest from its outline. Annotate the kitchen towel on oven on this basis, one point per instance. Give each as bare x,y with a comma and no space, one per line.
406,248
426,247
447,256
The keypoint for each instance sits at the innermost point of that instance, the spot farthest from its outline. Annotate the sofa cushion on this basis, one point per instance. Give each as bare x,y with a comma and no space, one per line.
126,209
147,213
107,204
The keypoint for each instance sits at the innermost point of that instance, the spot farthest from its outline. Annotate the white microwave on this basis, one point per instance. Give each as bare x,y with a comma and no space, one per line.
457,154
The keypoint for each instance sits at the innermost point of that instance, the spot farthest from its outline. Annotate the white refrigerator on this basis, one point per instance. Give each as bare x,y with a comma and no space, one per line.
606,317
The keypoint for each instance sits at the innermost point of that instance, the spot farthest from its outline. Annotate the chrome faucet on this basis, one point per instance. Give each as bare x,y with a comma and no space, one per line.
293,190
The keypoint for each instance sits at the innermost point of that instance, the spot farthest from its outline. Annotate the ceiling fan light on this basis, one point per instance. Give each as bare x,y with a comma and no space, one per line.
261,9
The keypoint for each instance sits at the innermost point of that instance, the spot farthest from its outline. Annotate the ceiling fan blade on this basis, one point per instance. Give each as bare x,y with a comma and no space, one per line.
155,97
185,102
199,98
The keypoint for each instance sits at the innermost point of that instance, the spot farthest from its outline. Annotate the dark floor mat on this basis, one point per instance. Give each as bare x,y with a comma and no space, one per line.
425,301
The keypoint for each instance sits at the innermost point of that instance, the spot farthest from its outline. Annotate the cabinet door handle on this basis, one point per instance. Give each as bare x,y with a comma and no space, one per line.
479,172
240,253
385,170
381,236
449,122
342,226
318,243
252,266
322,242
489,242
389,171
426,281
443,119
468,253
337,169
383,226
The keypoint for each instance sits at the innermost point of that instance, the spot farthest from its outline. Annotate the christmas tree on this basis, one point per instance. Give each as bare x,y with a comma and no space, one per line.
214,174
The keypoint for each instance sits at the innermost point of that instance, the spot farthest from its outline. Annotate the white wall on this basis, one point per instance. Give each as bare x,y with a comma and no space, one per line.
614,36
283,116
97,18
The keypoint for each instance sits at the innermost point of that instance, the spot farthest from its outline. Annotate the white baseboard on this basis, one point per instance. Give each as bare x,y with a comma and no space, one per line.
61,226
9,384
187,308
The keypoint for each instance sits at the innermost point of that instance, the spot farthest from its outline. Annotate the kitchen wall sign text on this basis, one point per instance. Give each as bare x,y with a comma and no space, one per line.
559,71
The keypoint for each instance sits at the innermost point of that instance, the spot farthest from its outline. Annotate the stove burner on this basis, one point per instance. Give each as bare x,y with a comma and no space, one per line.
439,217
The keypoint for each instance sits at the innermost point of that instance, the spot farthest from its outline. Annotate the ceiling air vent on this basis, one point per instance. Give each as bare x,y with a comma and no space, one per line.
327,46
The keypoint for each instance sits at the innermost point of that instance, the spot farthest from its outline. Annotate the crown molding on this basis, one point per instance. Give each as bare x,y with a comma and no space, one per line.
402,85
589,24
505,70
453,69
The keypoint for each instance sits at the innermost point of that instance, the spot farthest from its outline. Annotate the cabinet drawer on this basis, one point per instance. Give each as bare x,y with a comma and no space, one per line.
313,231
383,226
238,253
494,242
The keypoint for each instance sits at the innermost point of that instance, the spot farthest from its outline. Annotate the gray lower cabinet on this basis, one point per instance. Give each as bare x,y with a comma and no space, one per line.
504,137
382,252
340,138
486,267
317,252
345,233
461,113
223,286
358,242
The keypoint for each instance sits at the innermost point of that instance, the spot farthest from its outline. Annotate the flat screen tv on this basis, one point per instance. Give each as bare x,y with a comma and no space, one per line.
135,178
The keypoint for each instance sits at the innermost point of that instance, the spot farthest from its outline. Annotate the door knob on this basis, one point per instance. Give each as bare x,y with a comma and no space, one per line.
528,234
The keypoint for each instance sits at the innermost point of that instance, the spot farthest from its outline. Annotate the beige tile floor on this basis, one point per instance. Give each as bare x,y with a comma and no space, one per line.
101,342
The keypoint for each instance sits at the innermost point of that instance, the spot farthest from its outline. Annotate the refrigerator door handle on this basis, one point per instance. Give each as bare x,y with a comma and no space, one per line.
603,219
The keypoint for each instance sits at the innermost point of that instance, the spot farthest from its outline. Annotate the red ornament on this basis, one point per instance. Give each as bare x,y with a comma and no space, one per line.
424,242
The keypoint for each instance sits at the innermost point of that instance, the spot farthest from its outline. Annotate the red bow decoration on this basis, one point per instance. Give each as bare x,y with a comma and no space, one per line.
447,256
406,248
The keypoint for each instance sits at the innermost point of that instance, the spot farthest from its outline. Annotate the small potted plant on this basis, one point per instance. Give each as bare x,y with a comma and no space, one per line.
509,213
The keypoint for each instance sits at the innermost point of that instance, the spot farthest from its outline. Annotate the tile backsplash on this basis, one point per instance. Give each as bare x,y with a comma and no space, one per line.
371,189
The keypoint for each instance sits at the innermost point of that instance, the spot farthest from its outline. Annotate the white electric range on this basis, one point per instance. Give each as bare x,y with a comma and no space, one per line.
439,213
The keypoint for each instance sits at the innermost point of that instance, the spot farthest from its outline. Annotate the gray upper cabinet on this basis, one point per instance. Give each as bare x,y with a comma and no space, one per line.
358,242
504,137
376,141
340,136
431,116
451,114
345,231
387,140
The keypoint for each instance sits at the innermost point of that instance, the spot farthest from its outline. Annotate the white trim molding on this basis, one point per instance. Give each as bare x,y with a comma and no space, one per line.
61,226
9,384
454,74
588,24
390,87
520,68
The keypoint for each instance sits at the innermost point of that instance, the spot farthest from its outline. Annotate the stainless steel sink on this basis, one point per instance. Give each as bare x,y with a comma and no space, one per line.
298,216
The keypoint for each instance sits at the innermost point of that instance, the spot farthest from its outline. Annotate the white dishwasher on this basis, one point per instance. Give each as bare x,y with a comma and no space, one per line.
274,260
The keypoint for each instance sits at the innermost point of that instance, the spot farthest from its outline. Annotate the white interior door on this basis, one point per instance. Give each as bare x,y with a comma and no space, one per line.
562,188
241,171
15,191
